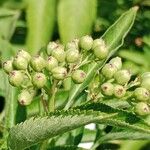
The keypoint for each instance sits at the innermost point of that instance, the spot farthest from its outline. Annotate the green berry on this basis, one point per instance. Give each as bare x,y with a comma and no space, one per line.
24,54
50,47
146,83
59,53
51,63
39,80
116,62
107,89
145,75
25,98
100,52
38,63
78,76
73,44
119,91
98,42
16,78
122,76
20,63
59,73
7,66
142,109
72,55
109,70
86,42
141,94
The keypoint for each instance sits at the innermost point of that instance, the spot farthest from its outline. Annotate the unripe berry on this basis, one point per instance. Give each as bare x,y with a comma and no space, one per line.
16,78
122,76
72,55
142,109
20,63
141,94
145,75
107,88
7,66
86,42
59,73
119,91
39,80
25,98
78,76
109,70
98,42
38,63
51,63
72,44
116,62
100,51
50,47
24,54
59,53
146,83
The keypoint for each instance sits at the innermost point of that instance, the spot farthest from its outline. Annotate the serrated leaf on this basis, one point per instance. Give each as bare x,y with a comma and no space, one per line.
38,129
114,38
40,23
75,18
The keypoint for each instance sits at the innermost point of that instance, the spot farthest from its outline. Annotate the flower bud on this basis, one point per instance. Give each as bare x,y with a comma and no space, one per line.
122,76
146,83
142,109
98,42
107,89
141,94
24,54
109,70
78,76
119,91
59,53
25,98
15,78
72,55
20,63
51,63
100,52
73,44
39,80
59,73
38,63
116,62
50,47
145,75
86,42
7,66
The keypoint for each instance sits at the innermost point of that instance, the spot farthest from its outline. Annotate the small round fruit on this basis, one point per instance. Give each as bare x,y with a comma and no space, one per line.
145,75
7,66
86,42
59,73
97,42
50,47
119,91
59,54
100,52
146,83
72,55
16,78
78,76
51,63
109,70
141,94
116,62
20,63
25,98
107,89
38,63
122,76
72,44
26,55
142,109
39,80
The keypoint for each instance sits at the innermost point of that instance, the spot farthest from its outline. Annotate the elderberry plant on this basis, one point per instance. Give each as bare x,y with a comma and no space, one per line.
99,91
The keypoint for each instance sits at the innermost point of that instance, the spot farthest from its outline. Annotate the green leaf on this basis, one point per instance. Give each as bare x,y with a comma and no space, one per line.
38,129
40,23
75,18
114,38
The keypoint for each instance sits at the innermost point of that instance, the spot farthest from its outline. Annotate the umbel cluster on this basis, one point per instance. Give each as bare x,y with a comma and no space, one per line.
58,62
